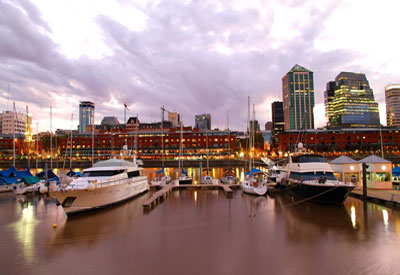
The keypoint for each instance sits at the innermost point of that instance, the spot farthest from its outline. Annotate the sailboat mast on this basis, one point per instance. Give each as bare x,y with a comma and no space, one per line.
248,130
93,138
207,151
254,133
13,123
51,138
70,143
37,145
162,136
180,149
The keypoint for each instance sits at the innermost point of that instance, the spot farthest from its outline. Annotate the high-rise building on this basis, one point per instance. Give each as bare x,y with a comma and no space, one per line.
298,99
10,125
86,115
268,126
203,122
254,126
278,121
353,103
392,96
329,95
175,119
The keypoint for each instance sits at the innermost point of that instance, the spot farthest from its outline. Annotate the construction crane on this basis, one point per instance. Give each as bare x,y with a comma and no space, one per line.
125,108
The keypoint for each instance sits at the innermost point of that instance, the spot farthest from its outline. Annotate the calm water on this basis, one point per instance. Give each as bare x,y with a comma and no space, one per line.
199,232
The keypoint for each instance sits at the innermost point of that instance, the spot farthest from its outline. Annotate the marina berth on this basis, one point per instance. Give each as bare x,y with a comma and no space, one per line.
107,182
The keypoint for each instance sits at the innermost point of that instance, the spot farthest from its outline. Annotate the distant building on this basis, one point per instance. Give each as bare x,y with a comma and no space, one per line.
268,126
254,125
86,115
110,120
203,122
278,121
175,119
392,96
329,96
10,125
353,104
298,99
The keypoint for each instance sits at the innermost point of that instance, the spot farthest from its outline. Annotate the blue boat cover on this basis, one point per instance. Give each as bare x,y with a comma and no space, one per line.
160,171
50,175
253,171
24,173
184,172
72,173
9,172
9,180
396,171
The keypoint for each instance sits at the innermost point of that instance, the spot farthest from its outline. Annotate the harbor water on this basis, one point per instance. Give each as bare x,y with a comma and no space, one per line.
199,232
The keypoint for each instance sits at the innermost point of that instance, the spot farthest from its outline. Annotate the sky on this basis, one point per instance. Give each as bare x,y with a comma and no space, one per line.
192,57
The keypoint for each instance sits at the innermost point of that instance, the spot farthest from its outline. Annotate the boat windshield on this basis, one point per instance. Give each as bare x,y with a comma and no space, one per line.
102,173
308,158
311,176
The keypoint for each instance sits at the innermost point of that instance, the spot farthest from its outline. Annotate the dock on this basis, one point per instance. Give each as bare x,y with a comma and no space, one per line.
389,198
160,195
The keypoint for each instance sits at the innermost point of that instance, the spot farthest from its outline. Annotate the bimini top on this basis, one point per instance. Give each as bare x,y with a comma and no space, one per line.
114,163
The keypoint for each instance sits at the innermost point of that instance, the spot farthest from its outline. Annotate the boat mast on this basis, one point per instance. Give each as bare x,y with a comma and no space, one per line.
93,138
37,145
248,130
180,149
162,136
13,123
207,150
229,140
254,133
70,143
51,138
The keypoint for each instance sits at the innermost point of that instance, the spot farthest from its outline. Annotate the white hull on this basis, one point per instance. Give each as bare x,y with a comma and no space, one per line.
161,182
208,180
249,188
84,199
6,188
229,180
22,189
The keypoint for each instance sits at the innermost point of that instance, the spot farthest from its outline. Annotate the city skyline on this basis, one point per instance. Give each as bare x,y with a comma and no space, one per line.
191,58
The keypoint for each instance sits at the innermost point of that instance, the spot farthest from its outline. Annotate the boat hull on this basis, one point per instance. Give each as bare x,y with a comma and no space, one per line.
260,190
322,194
185,181
79,200
229,181
6,188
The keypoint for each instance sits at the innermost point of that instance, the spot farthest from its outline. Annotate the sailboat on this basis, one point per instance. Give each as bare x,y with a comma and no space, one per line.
229,177
183,178
161,178
207,179
255,182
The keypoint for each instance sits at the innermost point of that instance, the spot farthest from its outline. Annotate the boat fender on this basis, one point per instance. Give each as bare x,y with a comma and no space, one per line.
91,187
43,190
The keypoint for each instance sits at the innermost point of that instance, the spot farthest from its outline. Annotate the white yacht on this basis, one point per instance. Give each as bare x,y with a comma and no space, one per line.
274,174
311,177
107,182
161,179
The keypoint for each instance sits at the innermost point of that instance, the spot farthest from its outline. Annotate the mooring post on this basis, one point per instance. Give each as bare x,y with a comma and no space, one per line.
364,173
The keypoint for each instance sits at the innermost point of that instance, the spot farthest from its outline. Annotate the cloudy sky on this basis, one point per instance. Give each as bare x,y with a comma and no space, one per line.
192,57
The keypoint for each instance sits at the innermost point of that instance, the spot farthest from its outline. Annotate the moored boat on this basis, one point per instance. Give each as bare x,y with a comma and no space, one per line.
255,183
310,176
106,183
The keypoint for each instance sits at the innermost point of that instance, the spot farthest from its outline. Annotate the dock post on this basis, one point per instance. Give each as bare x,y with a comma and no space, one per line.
364,174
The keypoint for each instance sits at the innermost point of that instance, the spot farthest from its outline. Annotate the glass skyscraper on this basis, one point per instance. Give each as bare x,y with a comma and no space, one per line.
86,115
392,96
350,103
298,99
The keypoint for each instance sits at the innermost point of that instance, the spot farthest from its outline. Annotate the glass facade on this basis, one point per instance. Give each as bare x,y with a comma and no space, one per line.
298,99
352,103
392,96
203,122
86,115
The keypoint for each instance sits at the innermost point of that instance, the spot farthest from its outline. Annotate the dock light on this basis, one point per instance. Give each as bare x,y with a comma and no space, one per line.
383,167
352,167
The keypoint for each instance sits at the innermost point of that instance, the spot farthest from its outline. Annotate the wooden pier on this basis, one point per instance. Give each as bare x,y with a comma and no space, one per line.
160,195
389,198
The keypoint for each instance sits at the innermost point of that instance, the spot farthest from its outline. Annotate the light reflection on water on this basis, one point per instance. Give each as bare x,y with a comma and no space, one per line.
221,234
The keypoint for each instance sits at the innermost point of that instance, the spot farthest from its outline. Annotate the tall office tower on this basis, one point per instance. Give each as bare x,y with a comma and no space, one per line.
353,103
298,99
86,115
175,119
203,122
278,121
329,95
392,96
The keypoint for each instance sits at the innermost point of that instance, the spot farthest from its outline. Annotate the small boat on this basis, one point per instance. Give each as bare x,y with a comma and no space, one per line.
207,179
310,176
161,179
229,177
255,183
105,183
29,184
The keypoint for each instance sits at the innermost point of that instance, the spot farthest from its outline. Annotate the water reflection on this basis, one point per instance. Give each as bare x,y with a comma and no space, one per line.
253,204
